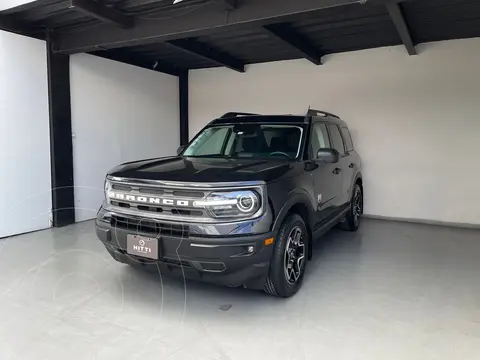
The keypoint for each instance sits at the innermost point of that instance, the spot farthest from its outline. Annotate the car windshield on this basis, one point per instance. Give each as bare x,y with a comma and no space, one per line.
247,141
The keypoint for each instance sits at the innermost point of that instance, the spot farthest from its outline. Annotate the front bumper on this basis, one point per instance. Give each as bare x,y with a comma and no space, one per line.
230,260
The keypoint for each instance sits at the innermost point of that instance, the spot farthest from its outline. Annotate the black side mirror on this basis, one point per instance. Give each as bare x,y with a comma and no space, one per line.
328,156
180,149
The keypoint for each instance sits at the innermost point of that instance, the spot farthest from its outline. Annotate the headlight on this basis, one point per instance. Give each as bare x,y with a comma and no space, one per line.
107,186
232,204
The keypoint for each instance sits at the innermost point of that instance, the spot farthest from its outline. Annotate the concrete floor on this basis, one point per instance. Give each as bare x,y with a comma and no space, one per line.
390,291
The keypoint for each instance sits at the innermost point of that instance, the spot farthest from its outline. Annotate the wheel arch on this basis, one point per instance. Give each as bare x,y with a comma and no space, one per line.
301,205
358,180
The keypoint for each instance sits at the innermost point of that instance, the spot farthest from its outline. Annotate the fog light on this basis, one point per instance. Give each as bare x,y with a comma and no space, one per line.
250,249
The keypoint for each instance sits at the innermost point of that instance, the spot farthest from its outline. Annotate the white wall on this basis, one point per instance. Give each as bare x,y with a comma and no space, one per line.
119,113
7,4
24,135
415,119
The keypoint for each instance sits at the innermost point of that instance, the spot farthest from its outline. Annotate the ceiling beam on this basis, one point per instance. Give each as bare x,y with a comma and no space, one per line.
206,52
10,24
289,36
228,4
403,30
135,59
202,20
102,12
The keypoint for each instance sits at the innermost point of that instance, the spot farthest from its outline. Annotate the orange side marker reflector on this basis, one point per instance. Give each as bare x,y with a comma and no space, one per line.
269,241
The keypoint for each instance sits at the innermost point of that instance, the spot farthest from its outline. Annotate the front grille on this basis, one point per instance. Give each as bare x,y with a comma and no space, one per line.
158,209
178,203
189,194
149,226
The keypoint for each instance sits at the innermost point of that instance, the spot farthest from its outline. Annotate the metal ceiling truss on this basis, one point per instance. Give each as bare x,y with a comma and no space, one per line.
228,4
131,58
102,12
201,21
119,29
200,49
19,27
398,19
285,33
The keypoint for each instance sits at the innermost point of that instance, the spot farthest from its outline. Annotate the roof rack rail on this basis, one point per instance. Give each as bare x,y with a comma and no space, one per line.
235,114
313,112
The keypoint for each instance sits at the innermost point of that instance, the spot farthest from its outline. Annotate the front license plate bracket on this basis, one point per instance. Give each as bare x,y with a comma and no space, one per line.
143,246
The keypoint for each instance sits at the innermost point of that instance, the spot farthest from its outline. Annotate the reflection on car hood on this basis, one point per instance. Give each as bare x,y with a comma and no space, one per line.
190,169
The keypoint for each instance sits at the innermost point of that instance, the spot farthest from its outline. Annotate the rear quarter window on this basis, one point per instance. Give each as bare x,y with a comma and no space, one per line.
337,139
347,138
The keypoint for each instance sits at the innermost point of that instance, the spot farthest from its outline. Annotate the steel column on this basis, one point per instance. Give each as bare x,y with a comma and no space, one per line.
183,92
61,152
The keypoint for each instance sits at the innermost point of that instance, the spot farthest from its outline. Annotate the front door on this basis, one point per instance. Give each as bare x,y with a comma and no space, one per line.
327,178
343,165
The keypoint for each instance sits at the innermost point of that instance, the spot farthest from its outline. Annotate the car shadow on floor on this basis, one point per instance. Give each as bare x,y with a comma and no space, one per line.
196,299
334,243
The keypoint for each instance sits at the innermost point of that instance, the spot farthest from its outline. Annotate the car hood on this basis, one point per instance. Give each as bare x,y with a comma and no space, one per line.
205,169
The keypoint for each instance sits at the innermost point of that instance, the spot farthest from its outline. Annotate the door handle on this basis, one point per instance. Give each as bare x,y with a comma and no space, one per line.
337,170
351,166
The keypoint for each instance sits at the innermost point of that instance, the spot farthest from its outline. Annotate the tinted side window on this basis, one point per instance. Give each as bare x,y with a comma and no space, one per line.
348,139
337,139
319,138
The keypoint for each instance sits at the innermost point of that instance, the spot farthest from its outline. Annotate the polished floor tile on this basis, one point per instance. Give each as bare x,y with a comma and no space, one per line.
390,291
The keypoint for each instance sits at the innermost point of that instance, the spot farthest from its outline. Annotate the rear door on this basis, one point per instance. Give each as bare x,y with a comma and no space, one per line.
342,167
352,162
327,181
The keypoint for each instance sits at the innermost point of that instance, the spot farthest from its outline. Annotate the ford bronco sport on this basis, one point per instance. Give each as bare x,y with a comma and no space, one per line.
241,204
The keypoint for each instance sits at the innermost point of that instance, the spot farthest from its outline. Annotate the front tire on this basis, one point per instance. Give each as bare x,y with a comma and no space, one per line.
289,259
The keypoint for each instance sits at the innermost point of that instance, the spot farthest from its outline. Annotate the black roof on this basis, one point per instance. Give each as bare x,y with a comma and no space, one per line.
197,34
261,119
274,119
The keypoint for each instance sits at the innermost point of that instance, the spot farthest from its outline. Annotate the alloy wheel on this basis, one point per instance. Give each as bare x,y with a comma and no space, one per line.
294,255
357,205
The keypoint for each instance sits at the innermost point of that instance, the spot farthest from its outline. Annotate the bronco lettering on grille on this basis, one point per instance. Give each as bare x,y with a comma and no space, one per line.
148,199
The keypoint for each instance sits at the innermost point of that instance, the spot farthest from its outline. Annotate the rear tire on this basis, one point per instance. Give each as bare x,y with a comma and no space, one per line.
352,220
289,259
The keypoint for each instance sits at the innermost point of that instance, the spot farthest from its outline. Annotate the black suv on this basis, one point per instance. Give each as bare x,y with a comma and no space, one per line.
241,203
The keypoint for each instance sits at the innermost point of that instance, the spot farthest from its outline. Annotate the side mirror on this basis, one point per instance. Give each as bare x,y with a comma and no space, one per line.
328,156
180,149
